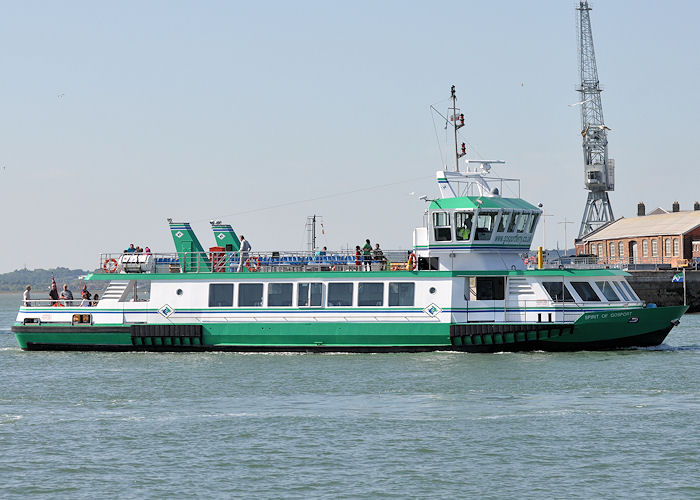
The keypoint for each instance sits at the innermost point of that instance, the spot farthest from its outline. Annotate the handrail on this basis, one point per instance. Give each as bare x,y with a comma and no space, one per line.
60,303
269,261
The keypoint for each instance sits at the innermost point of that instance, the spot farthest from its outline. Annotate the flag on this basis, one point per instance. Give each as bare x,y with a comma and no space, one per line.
677,278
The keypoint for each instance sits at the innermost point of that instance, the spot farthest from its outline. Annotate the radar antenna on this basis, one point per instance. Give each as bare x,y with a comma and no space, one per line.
599,170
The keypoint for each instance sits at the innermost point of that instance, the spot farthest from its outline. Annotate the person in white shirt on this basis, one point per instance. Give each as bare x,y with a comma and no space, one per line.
27,296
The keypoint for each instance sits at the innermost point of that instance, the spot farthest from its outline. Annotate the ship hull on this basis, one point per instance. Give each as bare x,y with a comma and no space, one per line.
636,327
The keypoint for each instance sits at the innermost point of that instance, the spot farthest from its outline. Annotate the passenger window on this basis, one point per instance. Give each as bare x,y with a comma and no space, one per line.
370,294
484,225
250,295
463,225
310,294
220,294
490,288
401,294
607,289
339,294
557,291
279,294
585,291
443,229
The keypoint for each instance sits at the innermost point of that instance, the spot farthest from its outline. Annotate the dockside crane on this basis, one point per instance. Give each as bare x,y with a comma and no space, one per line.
599,170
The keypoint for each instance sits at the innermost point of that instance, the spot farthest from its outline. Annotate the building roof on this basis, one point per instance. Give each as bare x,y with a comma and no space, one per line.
648,225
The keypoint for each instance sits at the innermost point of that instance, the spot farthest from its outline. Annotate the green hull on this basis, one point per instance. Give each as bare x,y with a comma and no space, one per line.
601,330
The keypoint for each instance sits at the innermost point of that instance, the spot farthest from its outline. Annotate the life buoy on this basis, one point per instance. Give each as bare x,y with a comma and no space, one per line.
411,265
110,268
255,266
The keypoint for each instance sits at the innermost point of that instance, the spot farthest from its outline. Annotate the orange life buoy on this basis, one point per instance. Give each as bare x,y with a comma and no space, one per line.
110,268
411,262
255,266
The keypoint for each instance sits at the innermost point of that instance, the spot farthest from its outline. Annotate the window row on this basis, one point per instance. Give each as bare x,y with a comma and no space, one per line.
611,291
487,221
311,294
671,248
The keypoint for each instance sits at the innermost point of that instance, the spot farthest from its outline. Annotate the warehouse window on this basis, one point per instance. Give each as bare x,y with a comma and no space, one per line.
645,248
621,248
676,247
667,247
654,248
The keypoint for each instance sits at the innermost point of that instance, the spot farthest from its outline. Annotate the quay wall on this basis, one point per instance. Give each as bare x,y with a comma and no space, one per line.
656,287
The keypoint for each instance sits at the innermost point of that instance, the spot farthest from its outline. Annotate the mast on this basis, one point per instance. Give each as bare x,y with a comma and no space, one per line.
457,120
599,170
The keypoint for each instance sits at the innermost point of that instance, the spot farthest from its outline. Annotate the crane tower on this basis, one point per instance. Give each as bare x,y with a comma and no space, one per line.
599,170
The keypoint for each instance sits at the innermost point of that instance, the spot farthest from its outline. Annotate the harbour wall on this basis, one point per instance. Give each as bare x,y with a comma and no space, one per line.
657,287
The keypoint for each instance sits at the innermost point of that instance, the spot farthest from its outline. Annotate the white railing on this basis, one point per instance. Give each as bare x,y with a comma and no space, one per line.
43,303
207,262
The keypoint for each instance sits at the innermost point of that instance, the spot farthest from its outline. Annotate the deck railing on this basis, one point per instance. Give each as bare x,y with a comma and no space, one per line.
43,303
208,262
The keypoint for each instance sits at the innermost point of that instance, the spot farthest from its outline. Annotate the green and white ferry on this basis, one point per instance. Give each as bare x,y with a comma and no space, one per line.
464,287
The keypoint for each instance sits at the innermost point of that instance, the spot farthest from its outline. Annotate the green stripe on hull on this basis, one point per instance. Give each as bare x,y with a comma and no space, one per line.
598,328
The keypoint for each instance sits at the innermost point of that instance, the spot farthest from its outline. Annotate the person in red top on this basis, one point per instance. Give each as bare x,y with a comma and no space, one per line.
358,256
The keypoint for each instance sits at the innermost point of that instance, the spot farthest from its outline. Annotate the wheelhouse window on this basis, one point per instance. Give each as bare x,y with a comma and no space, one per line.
629,290
606,288
484,225
523,222
370,294
513,221
220,294
310,294
557,291
585,291
442,227
490,288
621,291
503,224
533,222
250,295
279,294
401,294
339,294
463,225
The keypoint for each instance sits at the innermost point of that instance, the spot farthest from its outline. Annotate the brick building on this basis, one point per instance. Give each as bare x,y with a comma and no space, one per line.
658,238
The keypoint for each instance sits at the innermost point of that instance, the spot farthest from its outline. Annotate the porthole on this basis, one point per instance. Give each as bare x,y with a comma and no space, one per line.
432,289
179,291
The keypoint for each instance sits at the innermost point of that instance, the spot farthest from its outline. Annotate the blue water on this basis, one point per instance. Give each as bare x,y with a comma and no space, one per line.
438,425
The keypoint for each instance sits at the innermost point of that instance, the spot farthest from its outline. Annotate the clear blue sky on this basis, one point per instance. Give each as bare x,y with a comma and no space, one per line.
117,115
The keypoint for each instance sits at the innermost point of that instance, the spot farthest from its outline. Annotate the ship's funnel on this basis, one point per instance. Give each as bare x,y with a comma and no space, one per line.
190,251
225,236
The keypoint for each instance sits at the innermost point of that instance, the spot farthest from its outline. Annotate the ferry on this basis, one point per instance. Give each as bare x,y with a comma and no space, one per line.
468,284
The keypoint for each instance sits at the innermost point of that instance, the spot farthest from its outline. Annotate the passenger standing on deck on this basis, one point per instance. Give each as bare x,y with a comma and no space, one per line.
367,255
27,296
245,248
358,257
378,256
53,294
67,295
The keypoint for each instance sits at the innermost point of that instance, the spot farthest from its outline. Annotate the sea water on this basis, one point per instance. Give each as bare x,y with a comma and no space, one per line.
434,425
